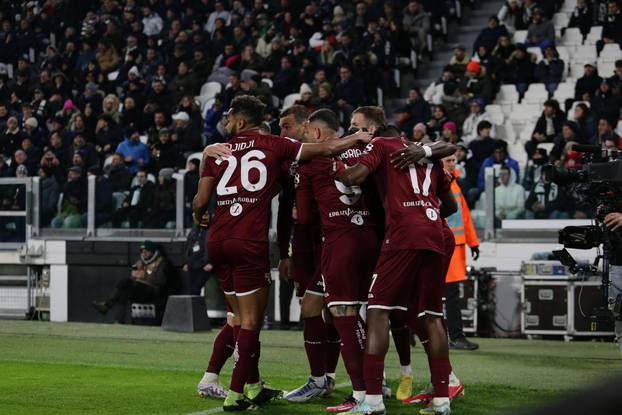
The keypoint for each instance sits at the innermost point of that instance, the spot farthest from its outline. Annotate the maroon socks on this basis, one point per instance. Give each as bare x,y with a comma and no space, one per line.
223,347
373,366
353,346
314,333
247,344
333,348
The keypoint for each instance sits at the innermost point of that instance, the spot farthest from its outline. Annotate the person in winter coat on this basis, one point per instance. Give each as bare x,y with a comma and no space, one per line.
550,70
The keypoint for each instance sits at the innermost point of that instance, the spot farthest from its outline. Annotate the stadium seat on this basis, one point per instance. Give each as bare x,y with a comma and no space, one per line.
596,33
547,146
506,132
520,36
610,53
536,51
560,20
606,68
210,89
195,156
496,113
564,91
535,95
289,100
267,81
206,105
568,6
507,94
572,37
584,53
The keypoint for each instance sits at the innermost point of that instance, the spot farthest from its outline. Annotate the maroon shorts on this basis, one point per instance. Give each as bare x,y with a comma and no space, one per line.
243,267
348,262
306,252
406,277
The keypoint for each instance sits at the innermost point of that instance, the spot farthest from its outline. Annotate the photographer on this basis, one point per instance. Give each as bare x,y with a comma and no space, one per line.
614,223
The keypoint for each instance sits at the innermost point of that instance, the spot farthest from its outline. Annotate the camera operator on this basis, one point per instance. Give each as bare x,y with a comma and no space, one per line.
614,222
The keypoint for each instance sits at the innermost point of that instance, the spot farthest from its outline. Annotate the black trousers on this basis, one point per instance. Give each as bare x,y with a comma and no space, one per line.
286,291
128,289
198,278
452,308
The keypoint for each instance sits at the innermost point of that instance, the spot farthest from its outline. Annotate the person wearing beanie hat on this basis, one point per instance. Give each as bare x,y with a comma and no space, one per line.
32,122
419,133
477,115
305,89
145,283
450,132
473,67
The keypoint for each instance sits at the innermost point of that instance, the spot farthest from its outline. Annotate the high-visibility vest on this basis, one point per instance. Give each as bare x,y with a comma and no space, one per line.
464,234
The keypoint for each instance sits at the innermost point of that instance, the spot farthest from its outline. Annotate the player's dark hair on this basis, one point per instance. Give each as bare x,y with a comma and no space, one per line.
372,114
326,116
388,131
249,107
299,112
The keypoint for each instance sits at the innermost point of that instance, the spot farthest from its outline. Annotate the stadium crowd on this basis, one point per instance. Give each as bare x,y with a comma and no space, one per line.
116,89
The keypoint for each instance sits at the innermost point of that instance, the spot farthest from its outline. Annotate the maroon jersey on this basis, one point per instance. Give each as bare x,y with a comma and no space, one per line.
409,197
342,208
244,183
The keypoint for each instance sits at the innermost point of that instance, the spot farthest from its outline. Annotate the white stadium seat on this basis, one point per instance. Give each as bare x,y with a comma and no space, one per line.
506,132
560,20
536,51
584,53
596,33
210,89
611,52
520,36
572,37
606,68
507,95
536,88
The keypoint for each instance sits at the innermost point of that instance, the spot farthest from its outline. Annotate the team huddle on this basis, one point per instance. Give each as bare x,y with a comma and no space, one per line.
370,249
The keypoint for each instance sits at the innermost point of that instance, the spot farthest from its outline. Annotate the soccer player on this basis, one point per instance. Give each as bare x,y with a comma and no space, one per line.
322,344
350,245
238,240
411,256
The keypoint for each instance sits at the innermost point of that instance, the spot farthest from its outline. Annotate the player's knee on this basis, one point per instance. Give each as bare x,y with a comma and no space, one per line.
343,310
310,307
233,320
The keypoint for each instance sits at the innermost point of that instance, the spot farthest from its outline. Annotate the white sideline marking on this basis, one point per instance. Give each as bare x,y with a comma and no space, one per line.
220,410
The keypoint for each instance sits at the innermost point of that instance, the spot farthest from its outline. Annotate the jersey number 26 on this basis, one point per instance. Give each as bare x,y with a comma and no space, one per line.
248,162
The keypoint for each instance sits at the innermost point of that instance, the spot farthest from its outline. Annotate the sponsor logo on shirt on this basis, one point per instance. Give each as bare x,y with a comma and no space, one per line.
237,200
431,214
417,203
348,212
351,153
235,209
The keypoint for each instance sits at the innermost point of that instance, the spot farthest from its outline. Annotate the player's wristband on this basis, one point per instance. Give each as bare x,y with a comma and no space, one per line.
428,151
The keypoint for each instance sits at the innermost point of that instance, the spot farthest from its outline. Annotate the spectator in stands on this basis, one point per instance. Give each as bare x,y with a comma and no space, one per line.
436,121
144,285
604,103
107,135
489,35
458,61
568,135
118,174
550,70
586,122
12,137
185,135
163,215
419,134
480,148
212,117
48,187
519,69
477,83
434,93
138,205
581,17
73,202
586,86
416,22
136,154
541,32
533,169
450,132
605,132
152,22
103,198
500,157
546,200
509,197
470,127
165,152
548,126
511,16
417,107
616,79
184,83
612,26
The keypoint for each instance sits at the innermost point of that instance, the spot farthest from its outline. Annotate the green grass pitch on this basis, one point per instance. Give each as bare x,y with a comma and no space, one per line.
71,368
